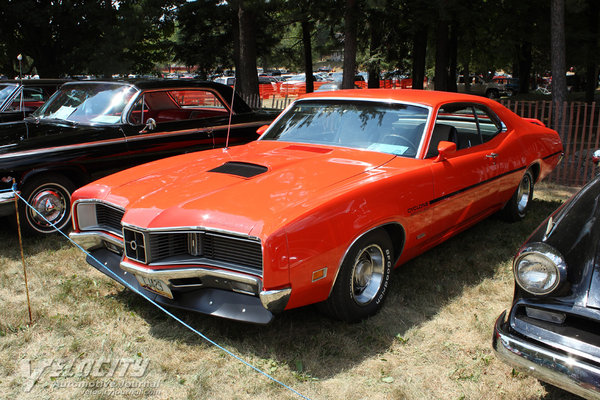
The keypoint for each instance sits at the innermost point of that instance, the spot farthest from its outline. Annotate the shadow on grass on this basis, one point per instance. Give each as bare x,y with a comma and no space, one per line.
32,245
420,288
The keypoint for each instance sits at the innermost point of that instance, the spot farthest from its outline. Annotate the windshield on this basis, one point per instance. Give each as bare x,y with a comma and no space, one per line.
385,127
93,103
5,91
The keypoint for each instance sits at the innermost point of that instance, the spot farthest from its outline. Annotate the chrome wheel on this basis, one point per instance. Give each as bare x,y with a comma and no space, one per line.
524,193
516,208
363,280
367,274
49,204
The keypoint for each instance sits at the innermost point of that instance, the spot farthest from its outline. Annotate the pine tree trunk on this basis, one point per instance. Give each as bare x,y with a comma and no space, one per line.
247,84
559,69
350,29
441,56
419,53
308,64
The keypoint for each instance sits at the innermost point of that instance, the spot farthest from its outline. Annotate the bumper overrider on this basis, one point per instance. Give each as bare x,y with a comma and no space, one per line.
217,292
560,369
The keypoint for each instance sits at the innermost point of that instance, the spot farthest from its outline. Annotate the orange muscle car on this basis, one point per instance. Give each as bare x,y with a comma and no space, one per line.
339,189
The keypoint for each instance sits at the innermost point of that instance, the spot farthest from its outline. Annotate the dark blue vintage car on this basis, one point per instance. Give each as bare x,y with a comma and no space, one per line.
89,129
552,330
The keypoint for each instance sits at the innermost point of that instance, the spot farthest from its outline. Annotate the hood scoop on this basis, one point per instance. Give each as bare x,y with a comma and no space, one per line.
242,169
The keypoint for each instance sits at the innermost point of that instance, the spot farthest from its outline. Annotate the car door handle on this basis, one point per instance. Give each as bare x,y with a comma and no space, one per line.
492,155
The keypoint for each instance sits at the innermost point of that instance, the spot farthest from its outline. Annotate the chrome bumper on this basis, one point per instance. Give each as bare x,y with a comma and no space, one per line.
7,203
546,364
7,197
242,295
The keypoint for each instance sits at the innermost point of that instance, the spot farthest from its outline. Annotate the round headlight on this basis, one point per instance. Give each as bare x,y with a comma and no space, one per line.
539,269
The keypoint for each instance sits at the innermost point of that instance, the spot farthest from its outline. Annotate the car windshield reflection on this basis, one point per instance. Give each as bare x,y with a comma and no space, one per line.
101,103
6,91
392,128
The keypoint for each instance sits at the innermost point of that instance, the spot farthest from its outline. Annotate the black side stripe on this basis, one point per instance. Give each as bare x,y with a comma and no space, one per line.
552,155
474,186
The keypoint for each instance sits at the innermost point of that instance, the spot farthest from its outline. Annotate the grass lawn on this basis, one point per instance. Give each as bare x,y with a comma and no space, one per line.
92,339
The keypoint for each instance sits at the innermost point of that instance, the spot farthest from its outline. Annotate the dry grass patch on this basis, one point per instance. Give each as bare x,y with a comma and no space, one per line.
431,340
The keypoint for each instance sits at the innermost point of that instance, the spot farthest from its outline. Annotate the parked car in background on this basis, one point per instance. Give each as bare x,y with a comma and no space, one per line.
340,188
475,84
19,98
551,331
512,84
226,80
296,85
89,129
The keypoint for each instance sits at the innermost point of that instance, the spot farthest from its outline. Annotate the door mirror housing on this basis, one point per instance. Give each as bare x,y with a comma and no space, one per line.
262,130
445,149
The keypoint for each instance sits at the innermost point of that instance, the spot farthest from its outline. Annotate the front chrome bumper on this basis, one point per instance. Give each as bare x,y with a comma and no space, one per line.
546,364
218,292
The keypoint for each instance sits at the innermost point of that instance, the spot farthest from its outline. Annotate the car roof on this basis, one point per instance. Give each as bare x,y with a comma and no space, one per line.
425,97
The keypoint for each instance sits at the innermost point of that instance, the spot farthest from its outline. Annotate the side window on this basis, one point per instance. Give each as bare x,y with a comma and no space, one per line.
465,124
198,99
489,123
177,105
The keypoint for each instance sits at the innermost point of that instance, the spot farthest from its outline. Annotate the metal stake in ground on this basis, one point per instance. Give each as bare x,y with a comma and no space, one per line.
22,255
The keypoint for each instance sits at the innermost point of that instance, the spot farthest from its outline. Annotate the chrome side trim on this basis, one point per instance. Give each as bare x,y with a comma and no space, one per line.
199,272
7,197
572,374
94,240
126,139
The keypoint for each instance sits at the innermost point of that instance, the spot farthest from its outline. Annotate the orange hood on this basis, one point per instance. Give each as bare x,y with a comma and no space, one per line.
182,191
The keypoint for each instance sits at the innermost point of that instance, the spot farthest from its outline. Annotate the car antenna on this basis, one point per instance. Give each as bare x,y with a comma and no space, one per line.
230,115
20,57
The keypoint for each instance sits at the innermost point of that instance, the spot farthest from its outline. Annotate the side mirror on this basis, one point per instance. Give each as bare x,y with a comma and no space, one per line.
262,130
150,125
445,149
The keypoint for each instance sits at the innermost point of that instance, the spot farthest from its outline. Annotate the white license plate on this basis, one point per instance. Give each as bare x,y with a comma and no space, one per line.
154,285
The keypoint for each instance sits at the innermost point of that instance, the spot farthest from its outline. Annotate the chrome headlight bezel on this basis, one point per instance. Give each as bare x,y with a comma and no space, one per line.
539,258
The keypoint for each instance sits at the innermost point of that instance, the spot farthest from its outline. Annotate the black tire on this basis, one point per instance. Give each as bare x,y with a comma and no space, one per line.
516,208
363,279
51,196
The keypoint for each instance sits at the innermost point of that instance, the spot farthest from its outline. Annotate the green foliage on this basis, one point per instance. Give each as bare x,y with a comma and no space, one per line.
86,36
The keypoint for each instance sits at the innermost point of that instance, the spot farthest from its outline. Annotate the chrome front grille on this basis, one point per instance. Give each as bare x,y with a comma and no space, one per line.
109,218
194,247
165,245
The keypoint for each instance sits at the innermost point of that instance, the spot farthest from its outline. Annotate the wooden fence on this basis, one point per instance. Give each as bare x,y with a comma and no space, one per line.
578,126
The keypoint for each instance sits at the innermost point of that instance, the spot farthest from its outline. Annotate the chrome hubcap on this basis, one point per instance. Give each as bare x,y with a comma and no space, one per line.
524,193
367,274
52,206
